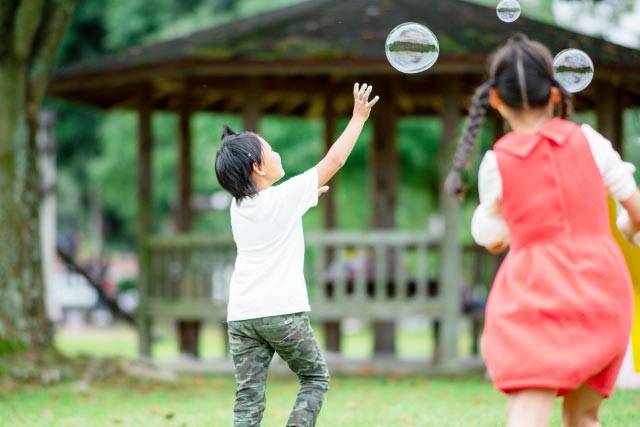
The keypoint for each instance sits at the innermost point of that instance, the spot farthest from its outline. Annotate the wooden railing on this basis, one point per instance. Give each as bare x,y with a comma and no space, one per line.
188,277
375,275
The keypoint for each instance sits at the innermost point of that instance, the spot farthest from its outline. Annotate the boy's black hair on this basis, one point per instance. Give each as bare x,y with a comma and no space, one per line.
235,160
522,72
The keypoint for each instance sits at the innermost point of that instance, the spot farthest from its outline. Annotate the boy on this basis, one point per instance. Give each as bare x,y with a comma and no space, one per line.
268,296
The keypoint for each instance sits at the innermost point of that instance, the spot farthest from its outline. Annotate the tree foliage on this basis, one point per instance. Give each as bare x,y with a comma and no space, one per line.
97,152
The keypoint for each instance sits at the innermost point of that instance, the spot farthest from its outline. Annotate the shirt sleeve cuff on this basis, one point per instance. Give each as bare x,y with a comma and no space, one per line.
488,229
622,186
314,187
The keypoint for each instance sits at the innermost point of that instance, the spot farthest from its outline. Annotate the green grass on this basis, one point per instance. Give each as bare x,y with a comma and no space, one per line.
208,401
195,401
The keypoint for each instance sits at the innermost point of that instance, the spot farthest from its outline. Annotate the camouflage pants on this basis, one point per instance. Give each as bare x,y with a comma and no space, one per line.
253,343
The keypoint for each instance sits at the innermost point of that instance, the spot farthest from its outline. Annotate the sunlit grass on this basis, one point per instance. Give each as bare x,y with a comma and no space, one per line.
208,401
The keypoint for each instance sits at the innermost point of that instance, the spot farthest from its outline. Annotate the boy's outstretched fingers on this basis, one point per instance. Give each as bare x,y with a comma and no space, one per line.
372,102
323,189
367,93
362,105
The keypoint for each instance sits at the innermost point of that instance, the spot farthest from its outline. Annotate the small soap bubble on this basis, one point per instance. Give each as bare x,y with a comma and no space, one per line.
411,48
508,10
573,69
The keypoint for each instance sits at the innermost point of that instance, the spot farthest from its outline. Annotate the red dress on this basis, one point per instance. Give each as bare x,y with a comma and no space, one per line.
559,312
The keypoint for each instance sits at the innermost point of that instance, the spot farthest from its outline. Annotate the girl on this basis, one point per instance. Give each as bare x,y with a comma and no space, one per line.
558,316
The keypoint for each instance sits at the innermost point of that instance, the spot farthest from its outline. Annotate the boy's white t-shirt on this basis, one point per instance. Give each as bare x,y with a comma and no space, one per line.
268,278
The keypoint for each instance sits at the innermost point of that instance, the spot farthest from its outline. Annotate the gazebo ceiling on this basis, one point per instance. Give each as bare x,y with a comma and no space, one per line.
288,59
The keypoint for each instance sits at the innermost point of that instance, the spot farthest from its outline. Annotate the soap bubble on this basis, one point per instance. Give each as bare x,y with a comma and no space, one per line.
573,69
411,48
508,10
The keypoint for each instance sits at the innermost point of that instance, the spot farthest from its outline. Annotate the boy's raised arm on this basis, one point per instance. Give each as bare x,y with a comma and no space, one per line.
340,150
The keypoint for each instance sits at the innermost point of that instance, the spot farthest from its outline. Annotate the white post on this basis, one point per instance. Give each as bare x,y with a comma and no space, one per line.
47,164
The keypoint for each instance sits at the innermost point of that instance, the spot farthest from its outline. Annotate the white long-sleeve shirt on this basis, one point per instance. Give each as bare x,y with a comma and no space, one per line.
489,228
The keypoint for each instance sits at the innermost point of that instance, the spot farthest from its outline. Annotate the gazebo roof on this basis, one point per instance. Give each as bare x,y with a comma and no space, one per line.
305,47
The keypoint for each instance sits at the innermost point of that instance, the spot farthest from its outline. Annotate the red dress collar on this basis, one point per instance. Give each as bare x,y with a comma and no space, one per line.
522,144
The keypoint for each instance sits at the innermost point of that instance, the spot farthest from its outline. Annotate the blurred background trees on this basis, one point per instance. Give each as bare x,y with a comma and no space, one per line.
96,151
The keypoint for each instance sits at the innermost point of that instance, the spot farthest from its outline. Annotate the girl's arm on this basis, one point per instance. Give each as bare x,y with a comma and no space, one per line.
629,221
340,150
618,179
488,227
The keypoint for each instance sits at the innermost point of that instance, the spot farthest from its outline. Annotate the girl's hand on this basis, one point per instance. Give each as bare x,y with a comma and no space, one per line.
496,248
362,106
629,230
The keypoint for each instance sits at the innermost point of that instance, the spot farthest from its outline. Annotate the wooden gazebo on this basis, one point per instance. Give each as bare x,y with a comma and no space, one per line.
301,60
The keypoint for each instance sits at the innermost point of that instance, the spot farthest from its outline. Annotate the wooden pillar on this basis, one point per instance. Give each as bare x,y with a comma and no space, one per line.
188,331
450,252
332,329
251,106
184,211
610,112
383,169
329,198
145,217
384,159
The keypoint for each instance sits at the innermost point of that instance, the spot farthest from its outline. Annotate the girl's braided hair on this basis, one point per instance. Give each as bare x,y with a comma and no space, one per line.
522,73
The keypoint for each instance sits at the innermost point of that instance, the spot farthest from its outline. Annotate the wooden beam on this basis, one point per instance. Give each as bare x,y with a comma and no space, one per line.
282,68
251,106
451,251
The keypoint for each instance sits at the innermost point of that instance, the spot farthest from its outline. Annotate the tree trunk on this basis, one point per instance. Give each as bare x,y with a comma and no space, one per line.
31,35
22,310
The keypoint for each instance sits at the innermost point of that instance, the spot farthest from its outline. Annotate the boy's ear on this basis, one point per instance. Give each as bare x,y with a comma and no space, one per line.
494,98
257,168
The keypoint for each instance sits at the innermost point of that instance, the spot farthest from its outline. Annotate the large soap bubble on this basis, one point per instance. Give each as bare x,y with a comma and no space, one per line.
508,10
411,48
573,69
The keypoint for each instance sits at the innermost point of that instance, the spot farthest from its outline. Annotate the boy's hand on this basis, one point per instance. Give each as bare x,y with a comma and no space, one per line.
362,106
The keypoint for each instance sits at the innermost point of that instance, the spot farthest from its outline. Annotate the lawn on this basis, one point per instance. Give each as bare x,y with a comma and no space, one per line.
208,400
201,401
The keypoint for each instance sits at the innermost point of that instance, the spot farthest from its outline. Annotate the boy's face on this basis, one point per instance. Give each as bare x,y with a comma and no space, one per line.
271,163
